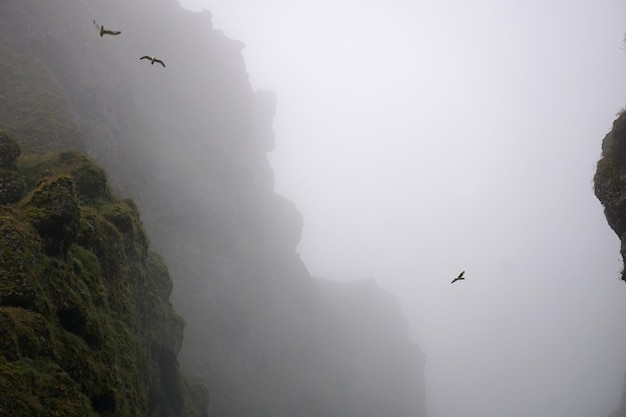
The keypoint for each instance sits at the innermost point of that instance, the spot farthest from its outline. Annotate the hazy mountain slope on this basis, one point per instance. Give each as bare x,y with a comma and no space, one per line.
188,143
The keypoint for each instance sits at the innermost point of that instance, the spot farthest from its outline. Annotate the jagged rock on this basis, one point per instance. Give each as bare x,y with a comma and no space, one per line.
610,180
9,151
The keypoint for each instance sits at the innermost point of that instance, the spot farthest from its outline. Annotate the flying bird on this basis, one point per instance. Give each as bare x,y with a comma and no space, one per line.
153,59
458,278
104,31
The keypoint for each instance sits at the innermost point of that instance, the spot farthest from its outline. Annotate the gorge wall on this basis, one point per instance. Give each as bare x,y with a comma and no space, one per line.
610,188
188,143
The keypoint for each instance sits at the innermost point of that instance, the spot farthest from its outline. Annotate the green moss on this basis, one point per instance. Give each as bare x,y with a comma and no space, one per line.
89,179
40,388
91,183
19,266
86,327
159,276
25,334
125,217
54,211
197,395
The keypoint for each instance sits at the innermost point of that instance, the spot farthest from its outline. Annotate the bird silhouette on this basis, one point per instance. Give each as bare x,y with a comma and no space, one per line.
153,59
104,31
458,278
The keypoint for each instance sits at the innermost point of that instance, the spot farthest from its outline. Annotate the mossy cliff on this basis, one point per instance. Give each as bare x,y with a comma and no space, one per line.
86,326
188,143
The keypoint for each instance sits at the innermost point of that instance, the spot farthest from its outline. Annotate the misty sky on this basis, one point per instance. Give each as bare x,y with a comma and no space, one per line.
422,138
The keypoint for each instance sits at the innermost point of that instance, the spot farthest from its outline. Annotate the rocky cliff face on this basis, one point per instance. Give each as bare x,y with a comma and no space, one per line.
610,188
188,142
610,180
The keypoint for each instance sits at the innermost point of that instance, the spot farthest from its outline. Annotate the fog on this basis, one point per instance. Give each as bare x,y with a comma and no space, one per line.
423,138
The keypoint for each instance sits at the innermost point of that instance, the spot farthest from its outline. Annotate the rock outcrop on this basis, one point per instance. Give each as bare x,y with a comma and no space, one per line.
87,328
610,180
610,188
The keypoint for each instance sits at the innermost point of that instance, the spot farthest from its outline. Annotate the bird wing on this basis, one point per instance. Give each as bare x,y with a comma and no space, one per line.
160,62
458,278
146,57
112,32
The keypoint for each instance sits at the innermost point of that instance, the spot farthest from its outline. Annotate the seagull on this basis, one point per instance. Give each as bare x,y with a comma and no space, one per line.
458,278
103,31
153,59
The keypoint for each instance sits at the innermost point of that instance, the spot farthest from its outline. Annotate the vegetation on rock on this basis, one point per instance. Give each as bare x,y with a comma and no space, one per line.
85,320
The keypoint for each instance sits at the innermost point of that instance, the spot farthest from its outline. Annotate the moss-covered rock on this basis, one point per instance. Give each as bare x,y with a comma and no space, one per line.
19,265
86,326
91,183
40,388
125,217
89,179
53,210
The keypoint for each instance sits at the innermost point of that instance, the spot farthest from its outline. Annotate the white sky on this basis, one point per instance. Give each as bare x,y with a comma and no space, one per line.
421,138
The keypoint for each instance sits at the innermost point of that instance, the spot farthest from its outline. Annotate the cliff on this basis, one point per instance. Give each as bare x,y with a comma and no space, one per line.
610,188
188,143
610,180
